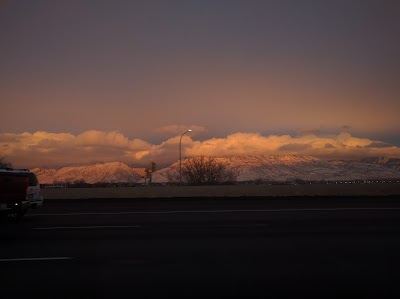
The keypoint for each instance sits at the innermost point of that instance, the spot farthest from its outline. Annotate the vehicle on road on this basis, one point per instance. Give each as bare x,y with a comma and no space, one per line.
34,195
14,186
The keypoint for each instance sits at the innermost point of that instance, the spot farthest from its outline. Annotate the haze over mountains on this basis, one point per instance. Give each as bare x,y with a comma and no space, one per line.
247,167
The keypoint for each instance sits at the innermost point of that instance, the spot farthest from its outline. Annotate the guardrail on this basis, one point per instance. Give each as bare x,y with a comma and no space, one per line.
224,191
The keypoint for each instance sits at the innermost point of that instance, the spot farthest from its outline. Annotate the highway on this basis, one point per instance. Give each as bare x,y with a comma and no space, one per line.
265,247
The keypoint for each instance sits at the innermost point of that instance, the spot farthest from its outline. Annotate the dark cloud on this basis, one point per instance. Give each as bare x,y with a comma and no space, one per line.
305,132
294,147
179,129
328,145
378,144
9,138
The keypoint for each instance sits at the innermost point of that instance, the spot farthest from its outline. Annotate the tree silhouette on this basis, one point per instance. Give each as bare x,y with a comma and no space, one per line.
203,170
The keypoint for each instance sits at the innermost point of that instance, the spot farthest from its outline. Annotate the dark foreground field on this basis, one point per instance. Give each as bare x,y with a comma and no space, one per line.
288,247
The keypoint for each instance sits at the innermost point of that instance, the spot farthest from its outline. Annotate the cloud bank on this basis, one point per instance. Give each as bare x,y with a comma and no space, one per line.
45,149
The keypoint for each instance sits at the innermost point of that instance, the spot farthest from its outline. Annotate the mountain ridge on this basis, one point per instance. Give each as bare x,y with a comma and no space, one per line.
247,167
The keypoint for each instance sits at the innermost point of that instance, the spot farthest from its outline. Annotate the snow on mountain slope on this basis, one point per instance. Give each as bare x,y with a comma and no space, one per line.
247,167
390,162
287,168
113,172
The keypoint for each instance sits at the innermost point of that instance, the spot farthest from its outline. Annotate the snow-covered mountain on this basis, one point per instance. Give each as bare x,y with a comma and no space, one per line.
390,162
247,168
287,168
114,172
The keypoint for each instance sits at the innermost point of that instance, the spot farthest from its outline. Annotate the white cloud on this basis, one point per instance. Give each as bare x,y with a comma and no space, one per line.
44,149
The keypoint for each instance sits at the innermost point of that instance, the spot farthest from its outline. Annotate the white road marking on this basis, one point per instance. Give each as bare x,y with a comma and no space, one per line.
25,259
218,211
243,225
87,227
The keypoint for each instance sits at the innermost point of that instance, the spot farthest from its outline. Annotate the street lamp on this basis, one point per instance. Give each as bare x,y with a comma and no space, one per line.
180,157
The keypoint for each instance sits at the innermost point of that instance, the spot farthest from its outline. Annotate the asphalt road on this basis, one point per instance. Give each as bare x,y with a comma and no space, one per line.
293,247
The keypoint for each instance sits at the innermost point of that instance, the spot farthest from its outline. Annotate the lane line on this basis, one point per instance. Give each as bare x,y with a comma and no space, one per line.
87,227
219,211
28,259
243,225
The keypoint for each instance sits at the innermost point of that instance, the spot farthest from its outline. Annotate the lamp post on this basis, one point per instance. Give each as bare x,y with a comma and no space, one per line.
180,157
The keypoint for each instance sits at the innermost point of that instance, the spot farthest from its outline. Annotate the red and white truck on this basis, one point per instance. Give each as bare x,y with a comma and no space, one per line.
14,199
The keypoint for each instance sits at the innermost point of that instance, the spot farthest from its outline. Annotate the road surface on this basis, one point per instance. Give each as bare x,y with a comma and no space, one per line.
287,247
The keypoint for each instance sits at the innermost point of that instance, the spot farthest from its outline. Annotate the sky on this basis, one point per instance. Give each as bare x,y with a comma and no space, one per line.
85,81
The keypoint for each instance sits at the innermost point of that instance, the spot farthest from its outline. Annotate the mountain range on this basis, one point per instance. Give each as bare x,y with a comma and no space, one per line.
114,172
246,167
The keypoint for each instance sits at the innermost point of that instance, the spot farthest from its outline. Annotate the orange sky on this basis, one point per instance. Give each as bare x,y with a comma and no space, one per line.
151,69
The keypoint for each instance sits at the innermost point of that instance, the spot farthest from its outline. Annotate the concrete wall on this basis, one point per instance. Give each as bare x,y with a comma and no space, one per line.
224,191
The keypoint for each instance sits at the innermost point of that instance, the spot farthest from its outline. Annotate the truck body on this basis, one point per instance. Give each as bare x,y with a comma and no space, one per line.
13,193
